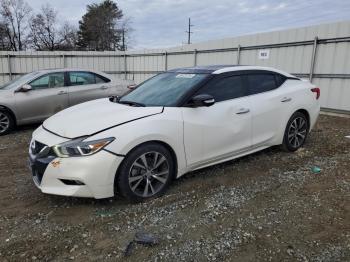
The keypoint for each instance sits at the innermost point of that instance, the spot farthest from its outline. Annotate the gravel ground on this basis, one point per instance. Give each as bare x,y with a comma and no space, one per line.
268,206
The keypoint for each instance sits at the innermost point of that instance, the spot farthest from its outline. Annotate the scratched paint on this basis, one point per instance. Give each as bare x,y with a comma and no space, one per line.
56,163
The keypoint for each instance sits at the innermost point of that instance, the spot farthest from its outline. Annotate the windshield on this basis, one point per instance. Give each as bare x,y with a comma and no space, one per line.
22,79
163,90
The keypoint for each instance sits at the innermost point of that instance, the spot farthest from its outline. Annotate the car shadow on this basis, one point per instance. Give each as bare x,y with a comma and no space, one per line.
201,174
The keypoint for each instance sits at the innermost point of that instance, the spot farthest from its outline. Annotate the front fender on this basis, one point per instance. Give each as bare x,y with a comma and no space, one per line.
166,128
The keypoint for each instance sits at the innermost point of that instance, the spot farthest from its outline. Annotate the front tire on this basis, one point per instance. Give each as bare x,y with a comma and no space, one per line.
7,122
146,172
296,132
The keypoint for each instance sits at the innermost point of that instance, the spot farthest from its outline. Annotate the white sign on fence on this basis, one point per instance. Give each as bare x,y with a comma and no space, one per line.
264,53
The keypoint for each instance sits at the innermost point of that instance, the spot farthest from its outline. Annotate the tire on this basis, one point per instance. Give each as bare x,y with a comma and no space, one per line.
7,122
296,132
138,180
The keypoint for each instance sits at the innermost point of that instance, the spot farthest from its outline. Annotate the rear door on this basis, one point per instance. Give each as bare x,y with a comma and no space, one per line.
86,86
48,96
221,130
268,106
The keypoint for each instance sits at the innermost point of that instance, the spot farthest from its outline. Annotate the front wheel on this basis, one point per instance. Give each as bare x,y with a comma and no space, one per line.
296,132
146,172
6,122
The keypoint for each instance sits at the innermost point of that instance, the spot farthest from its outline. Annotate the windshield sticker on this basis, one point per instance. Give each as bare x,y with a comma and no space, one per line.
185,75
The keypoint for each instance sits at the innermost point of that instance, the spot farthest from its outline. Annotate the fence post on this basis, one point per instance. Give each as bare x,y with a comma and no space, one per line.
238,54
9,66
313,58
195,57
64,61
125,67
166,61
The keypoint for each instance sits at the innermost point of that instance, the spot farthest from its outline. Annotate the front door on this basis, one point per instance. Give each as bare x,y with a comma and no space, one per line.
221,130
48,96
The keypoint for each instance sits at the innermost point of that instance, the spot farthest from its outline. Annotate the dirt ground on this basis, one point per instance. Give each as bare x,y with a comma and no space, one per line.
269,206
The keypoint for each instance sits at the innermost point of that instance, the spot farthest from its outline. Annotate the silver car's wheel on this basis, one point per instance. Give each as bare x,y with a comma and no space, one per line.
149,174
5,122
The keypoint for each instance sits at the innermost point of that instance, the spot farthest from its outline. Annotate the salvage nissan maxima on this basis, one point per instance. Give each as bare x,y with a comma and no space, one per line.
178,121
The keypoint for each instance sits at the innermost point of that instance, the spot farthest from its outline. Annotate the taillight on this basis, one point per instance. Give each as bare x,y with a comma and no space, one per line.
317,91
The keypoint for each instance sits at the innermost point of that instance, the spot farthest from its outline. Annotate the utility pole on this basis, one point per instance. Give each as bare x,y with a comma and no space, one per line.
123,38
122,46
189,31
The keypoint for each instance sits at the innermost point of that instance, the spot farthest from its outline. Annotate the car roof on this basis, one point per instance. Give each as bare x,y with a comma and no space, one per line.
220,69
207,69
45,71
64,70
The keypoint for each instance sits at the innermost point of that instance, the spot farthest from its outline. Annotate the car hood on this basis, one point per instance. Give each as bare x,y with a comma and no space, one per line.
94,116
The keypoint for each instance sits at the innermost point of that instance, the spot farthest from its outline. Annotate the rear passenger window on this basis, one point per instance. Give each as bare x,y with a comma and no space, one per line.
224,88
101,79
280,79
259,83
81,78
86,78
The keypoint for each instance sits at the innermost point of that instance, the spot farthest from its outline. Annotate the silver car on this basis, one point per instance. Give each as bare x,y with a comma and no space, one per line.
36,96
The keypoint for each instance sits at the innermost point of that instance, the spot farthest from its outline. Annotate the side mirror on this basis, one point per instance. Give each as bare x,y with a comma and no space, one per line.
202,100
25,88
131,87
114,99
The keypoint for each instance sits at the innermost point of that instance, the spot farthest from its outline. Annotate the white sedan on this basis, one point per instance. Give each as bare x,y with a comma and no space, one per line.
178,121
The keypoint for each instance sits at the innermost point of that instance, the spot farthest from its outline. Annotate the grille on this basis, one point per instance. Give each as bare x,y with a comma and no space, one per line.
36,147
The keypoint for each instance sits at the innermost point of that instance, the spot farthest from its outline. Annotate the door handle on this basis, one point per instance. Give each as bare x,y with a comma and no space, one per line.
243,111
62,92
286,99
104,87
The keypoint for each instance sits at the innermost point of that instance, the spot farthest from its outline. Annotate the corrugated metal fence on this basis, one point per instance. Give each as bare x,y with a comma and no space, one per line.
320,53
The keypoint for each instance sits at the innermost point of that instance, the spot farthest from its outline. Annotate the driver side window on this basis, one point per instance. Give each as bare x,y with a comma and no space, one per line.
48,81
223,89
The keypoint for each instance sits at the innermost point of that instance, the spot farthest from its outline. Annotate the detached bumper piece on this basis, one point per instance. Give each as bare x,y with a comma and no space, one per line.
40,156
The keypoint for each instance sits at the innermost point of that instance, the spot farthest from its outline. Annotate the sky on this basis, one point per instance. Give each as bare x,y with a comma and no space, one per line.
162,23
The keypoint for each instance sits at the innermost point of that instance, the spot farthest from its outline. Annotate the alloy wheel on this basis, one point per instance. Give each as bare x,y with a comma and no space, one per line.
297,132
4,122
149,174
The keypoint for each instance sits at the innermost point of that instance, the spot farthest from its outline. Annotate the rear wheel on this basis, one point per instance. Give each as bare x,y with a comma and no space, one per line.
6,122
146,172
296,132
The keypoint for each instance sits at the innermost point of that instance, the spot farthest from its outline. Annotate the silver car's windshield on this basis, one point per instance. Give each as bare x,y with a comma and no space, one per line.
163,90
22,79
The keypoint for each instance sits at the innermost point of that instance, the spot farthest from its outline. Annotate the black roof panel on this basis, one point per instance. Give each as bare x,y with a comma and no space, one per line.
200,69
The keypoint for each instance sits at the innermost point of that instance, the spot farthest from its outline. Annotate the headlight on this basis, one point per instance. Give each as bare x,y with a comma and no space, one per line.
78,147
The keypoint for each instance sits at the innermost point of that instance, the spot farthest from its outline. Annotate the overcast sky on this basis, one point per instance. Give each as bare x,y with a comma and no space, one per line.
162,23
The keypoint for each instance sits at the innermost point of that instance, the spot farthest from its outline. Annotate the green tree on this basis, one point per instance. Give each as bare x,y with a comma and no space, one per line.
98,27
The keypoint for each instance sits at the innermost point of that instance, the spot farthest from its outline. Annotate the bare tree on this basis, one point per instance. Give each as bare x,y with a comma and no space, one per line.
69,37
14,14
44,32
4,40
